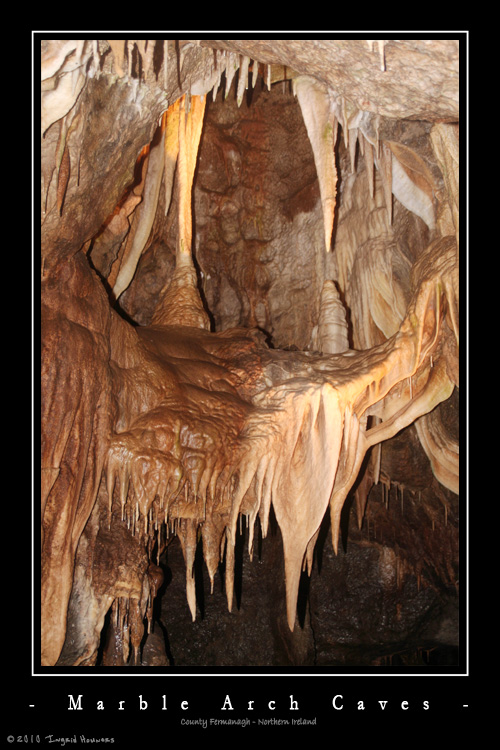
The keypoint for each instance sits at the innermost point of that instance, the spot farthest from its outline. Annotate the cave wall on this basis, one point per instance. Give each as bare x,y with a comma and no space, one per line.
256,201
259,252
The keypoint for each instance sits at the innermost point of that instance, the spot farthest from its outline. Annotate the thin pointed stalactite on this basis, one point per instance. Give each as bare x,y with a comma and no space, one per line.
187,533
316,109
243,79
146,212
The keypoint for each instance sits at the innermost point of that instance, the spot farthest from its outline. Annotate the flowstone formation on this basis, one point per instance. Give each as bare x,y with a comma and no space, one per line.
178,429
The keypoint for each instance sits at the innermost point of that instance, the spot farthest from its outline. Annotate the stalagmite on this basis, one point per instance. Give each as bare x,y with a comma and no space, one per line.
332,325
314,102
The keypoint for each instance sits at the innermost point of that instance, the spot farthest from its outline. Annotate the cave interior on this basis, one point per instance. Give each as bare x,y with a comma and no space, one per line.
249,338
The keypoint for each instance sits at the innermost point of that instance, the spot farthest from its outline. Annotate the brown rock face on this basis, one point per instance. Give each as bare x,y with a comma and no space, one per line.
249,440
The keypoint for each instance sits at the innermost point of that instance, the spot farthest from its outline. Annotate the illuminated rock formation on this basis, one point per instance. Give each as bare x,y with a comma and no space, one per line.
181,426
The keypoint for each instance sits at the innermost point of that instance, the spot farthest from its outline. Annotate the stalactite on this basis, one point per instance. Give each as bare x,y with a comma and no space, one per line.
219,69
368,149
243,79
148,57
441,450
180,301
445,143
255,72
155,579
385,171
316,109
232,65
268,77
136,629
187,533
171,150
52,60
165,64
63,178
130,43
145,216
352,149
212,532
381,50
118,50
412,182
190,126
63,78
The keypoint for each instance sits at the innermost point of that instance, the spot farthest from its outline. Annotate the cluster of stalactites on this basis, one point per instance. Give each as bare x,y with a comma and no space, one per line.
128,613
403,172
281,450
215,63
181,127
300,445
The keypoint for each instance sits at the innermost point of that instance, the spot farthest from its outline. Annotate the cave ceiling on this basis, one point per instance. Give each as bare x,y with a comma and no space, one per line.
249,307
